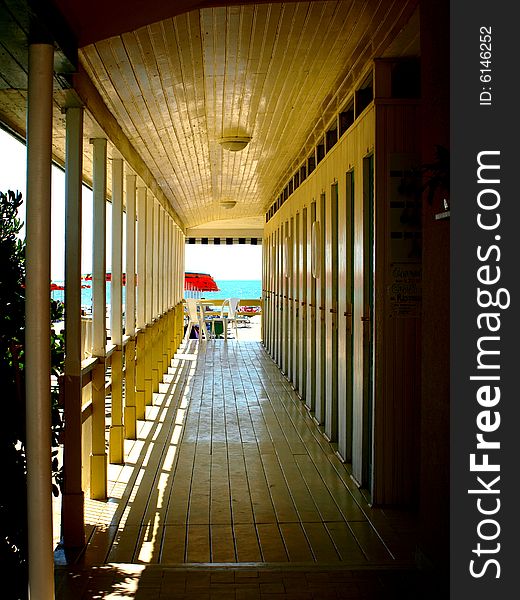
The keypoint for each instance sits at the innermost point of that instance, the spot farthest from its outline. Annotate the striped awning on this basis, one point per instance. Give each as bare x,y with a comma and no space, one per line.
253,241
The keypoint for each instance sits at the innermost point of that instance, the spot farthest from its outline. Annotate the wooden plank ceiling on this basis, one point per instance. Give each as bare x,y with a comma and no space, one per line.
274,72
268,71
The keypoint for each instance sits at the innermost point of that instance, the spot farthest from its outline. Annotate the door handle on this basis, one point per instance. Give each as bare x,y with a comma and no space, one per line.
366,325
349,322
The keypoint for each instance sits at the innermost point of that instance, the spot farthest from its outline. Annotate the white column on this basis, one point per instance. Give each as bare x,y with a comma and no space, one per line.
98,457
142,310
162,283
99,247
116,444
116,319
162,258
178,257
150,297
37,324
174,266
156,245
130,256
130,412
72,520
149,259
141,257
182,254
158,254
166,262
169,263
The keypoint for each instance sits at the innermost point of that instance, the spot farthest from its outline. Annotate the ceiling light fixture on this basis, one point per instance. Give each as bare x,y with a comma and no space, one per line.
234,143
228,203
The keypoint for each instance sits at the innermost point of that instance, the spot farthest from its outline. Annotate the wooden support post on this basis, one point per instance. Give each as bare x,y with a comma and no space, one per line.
171,334
130,415
37,314
98,458
169,269
163,359
140,381
180,323
142,232
179,286
116,435
164,277
72,505
156,365
148,362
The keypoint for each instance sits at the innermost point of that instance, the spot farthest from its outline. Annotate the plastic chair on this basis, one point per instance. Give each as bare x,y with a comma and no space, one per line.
232,316
223,318
195,319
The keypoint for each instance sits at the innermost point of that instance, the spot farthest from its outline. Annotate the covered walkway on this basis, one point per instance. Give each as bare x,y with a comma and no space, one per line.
230,473
302,126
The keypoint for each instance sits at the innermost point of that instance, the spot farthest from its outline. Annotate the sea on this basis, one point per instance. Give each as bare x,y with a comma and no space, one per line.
229,288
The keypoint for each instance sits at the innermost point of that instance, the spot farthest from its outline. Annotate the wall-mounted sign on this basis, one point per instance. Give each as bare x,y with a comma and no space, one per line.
404,290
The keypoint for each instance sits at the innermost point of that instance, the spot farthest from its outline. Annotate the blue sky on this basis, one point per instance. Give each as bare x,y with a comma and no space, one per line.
222,262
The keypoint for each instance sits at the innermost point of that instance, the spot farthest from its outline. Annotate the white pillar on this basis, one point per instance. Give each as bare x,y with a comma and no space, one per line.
130,412
130,256
99,247
116,445
182,253
164,235
141,257
142,299
179,292
116,319
37,324
72,520
149,259
166,259
156,246
169,264
175,265
98,457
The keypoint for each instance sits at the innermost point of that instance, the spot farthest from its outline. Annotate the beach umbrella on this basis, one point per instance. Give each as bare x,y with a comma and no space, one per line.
200,282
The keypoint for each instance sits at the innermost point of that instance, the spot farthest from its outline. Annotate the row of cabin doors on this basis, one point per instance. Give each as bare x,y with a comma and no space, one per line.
320,338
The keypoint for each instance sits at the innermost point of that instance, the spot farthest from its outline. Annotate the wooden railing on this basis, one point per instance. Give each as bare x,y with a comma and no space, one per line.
142,360
244,302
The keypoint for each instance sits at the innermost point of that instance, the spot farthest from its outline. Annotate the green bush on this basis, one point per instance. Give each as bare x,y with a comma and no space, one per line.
13,502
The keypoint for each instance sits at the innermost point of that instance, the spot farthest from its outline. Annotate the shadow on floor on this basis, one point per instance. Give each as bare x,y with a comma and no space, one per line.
156,582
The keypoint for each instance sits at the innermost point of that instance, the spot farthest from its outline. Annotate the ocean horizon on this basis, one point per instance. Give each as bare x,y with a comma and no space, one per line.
228,288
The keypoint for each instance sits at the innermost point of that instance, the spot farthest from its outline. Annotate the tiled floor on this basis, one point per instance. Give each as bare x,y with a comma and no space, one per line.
157,582
230,473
